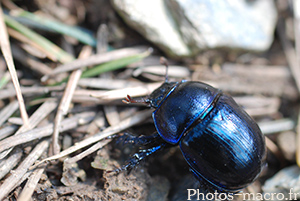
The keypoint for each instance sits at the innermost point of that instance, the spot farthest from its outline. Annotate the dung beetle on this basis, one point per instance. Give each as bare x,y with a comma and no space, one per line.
221,143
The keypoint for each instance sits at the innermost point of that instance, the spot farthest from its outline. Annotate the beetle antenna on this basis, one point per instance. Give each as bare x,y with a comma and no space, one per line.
129,100
164,61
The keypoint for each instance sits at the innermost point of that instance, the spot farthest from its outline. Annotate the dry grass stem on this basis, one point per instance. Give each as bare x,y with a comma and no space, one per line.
112,115
6,165
137,118
5,47
17,35
173,71
87,152
250,79
6,78
6,112
9,182
34,90
104,83
45,131
94,60
7,131
259,105
34,64
31,184
66,101
141,90
44,110
102,37
63,108
276,126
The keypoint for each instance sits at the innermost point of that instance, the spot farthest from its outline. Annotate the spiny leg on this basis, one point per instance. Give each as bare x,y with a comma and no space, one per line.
141,140
153,142
136,158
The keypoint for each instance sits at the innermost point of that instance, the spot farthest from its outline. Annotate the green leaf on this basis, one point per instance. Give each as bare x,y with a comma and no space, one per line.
59,53
80,34
113,65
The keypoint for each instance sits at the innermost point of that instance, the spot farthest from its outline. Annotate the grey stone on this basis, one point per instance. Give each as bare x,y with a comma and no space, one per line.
285,183
184,27
153,20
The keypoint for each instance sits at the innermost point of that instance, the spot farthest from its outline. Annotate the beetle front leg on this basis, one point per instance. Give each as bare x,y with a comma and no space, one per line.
142,140
136,158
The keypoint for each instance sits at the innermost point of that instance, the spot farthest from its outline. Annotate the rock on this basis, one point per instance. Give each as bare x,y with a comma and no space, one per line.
227,23
285,185
182,28
153,20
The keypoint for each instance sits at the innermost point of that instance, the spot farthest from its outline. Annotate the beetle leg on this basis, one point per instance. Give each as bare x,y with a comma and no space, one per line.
136,158
141,140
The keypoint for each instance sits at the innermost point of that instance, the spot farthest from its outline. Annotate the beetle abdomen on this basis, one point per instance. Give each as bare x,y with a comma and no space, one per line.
226,148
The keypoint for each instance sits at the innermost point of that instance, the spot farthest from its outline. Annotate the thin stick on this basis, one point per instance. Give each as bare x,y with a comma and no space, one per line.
94,60
19,36
45,109
63,108
66,101
139,117
9,163
5,47
7,131
9,182
87,152
38,133
30,185
6,112
7,93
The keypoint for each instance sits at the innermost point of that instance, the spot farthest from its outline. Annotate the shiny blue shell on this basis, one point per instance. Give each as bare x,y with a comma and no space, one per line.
221,143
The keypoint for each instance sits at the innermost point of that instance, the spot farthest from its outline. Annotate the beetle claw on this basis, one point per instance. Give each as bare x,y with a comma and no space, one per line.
128,100
125,101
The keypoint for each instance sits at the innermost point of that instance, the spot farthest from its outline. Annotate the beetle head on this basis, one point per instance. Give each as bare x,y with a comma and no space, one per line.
160,93
155,98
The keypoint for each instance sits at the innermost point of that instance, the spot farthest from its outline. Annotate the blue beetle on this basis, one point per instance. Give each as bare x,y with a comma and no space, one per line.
221,143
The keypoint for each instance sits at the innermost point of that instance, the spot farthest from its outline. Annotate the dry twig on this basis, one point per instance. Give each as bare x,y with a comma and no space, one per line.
45,131
5,47
34,120
9,182
137,118
31,184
